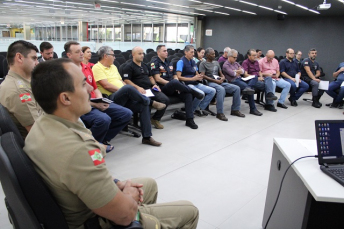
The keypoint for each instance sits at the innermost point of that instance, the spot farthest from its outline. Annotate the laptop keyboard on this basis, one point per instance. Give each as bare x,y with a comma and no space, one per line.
338,172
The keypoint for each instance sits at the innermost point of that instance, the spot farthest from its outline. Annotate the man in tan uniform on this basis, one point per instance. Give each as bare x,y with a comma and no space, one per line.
15,90
72,164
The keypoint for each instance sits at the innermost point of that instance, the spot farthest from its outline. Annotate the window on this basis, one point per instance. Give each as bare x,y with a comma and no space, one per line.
136,32
171,31
118,33
127,32
147,32
158,33
183,33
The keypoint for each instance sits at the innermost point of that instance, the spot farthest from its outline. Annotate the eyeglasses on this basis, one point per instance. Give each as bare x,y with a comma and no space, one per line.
235,57
110,54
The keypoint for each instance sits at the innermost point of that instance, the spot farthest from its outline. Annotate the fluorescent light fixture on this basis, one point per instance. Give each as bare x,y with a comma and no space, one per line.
281,12
314,11
109,1
248,12
211,4
301,6
249,3
195,1
342,1
220,13
78,3
158,2
292,3
264,7
129,9
205,10
132,4
180,6
230,8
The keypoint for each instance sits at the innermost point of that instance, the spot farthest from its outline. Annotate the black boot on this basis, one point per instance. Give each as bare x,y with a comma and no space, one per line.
319,96
316,103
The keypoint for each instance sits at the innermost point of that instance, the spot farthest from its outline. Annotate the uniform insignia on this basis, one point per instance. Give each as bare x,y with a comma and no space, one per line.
20,84
161,67
96,156
26,97
125,75
306,62
171,67
152,66
90,78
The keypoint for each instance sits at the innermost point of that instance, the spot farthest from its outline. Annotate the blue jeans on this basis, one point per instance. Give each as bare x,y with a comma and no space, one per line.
269,87
334,85
221,91
105,125
251,84
131,98
209,94
296,93
281,83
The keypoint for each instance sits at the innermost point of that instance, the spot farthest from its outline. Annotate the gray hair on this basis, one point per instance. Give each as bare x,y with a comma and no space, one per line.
227,49
207,51
188,48
232,51
104,50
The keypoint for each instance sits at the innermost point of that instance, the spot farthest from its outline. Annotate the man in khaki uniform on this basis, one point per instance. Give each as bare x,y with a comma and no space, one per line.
74,168
15,90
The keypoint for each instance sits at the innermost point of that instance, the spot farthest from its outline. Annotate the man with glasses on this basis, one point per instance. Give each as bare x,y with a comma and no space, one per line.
270,68
251,67
137,74
310,73
15,91
111,84
233,71
289,68
211,71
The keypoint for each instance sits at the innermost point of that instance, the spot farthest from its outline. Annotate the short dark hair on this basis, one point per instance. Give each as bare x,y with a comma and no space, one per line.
84,48
249,51
45,46
257,50
21,46
68,44
312,50
159,47
47,85
188,48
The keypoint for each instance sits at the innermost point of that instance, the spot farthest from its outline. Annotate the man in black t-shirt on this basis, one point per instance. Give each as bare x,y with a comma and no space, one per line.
310,73
137,74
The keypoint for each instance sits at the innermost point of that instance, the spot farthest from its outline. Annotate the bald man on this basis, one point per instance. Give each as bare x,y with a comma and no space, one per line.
137,74
270,68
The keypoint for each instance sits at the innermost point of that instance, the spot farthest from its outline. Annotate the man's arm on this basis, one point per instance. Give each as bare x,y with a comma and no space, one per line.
140,89
28,128
160,80
310,74
195,78
108,86
335,74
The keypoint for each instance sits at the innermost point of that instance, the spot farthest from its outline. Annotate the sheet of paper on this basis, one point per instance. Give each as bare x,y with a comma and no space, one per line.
323,85
297,78
342,84
149,93
248,77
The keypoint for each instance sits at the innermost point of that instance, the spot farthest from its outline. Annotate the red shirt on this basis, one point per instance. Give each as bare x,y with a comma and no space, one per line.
89,64
89,78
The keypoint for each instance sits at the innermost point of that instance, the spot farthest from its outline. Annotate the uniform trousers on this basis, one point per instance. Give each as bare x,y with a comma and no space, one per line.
105,125
162,98
175,85
315,86
334,85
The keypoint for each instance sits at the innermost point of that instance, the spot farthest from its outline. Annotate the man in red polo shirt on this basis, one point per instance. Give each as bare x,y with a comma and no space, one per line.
104,120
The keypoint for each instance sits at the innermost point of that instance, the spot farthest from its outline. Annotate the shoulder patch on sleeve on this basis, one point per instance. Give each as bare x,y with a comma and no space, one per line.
25,97
306,62
125,75
96,156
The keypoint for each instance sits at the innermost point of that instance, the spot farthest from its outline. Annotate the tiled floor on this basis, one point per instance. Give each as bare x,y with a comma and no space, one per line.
223,167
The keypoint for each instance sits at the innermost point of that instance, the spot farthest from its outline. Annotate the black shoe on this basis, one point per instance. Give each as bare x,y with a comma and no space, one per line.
334,105
281,105
197,95
270,96
201,113
190,123
248,91
270,108
315,102
256,112
293,103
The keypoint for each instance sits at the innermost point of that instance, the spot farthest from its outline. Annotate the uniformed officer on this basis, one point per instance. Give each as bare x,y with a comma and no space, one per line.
137,74
310,73
15,90
74,167
163,73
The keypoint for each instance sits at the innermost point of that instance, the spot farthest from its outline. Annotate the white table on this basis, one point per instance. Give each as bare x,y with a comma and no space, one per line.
309,198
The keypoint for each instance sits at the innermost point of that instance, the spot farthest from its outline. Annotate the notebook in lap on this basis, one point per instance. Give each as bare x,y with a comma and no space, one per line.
330,143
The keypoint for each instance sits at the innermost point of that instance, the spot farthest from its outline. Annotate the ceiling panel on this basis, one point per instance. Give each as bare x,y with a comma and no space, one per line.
48,12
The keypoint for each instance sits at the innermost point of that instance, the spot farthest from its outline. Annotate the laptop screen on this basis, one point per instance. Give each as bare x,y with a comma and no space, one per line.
330,141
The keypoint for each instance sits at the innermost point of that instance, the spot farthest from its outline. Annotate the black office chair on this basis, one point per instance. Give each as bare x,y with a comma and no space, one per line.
55,55
4,67
176,50
171,52
180,55
64,55
94,60
117,52
3,54
169,59
1,68
216,53
121,60
125,55
149,50
322,74
7,125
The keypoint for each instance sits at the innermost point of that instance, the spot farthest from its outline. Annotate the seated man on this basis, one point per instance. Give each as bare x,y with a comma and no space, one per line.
338,75
224,57
310,73
137,74
74,168
270,68
47,51
15,91
251,67
211,69
187,72
170,85
233,71
110,82
289,68
104,120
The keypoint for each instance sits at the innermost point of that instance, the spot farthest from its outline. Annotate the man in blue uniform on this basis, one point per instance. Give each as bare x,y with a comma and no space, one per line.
338,75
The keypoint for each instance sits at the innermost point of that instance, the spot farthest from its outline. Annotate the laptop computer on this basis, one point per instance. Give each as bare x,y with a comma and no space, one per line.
330,144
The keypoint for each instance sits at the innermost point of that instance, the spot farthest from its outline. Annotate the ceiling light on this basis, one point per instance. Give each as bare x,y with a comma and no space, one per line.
220,13
77,3
230,8
301,6
267,8
205,10
314,11
211,4
281,12
248,12
195,1
109,1
288,2
132,4
249,3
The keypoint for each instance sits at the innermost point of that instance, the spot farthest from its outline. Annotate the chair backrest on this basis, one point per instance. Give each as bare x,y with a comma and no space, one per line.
149,50
117,51
116,63
55,55
4,67
1,66
3,54
221,65
120,69
120,59
30,201
170,58
7,124
180,55
94,59
171,52
125,55
174,64
64,55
